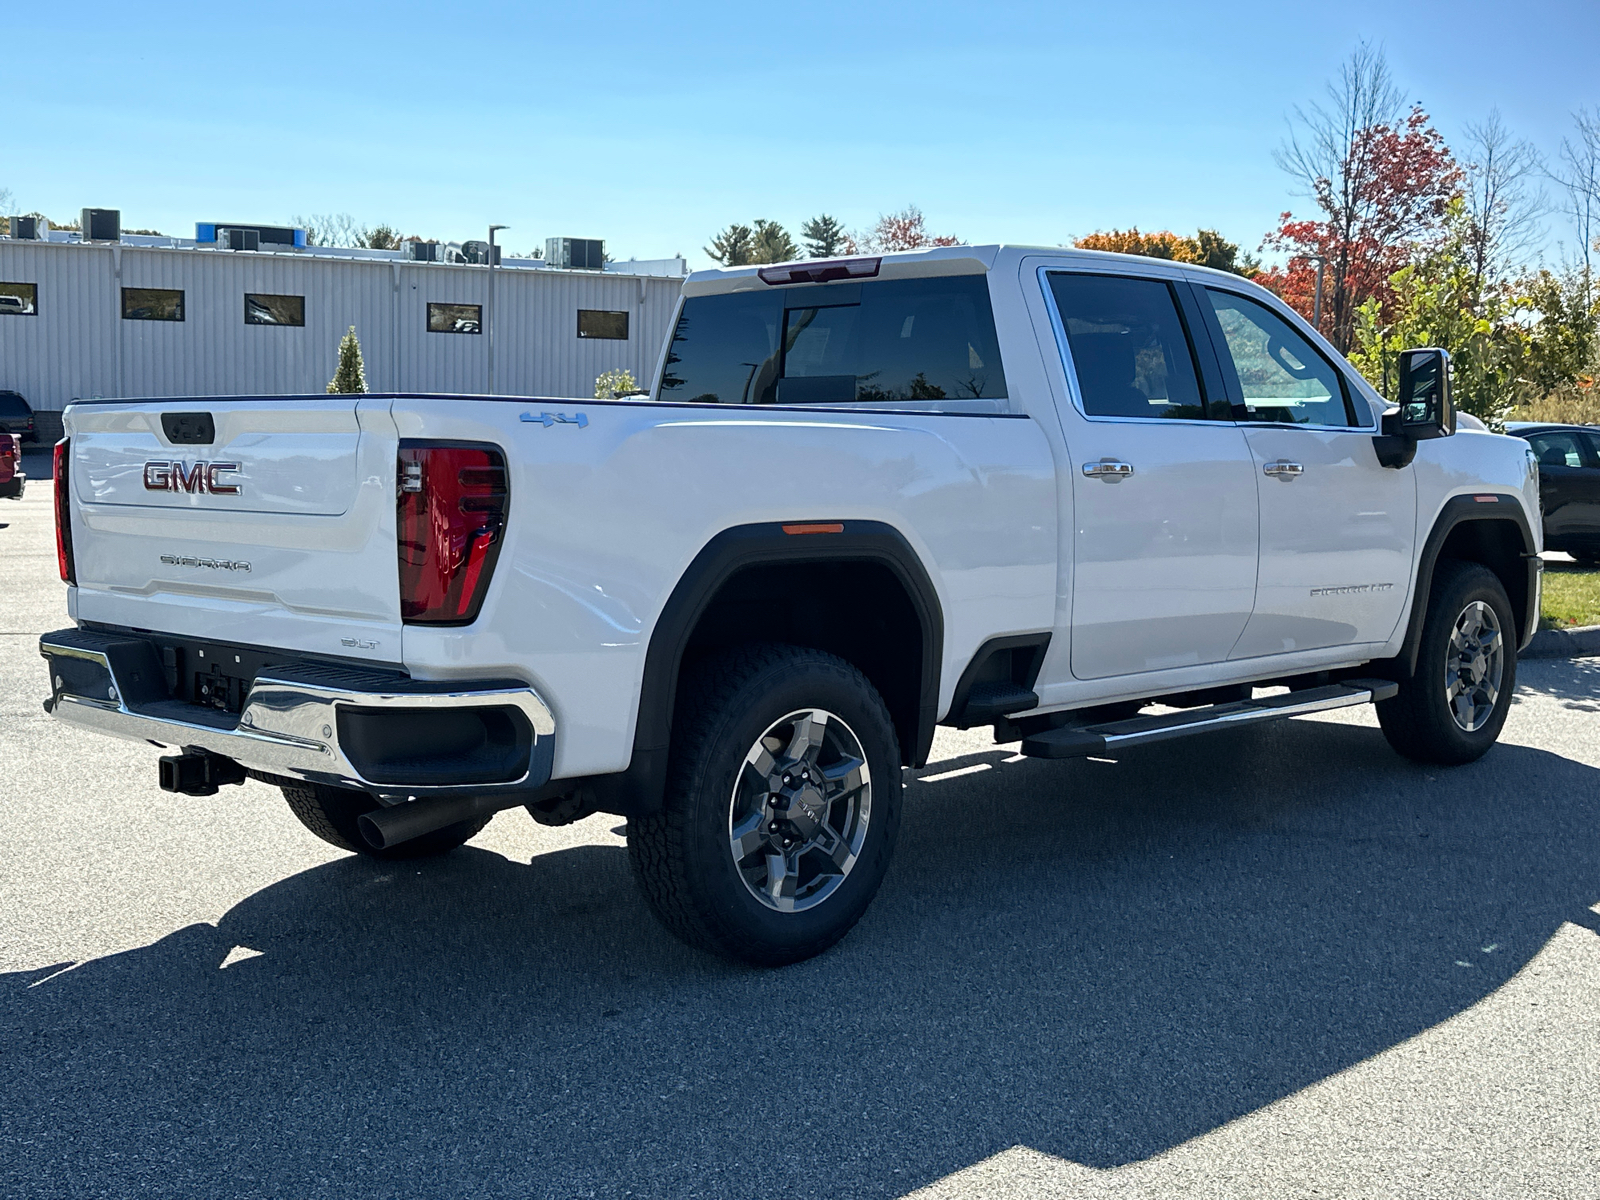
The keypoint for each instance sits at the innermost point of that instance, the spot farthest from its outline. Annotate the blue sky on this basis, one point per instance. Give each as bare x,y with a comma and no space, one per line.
654,125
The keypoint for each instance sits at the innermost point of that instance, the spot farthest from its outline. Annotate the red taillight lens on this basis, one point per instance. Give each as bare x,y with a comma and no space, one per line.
64,515
452,521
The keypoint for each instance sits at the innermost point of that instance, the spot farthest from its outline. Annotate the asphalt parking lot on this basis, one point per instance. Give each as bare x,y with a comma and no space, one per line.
1278,962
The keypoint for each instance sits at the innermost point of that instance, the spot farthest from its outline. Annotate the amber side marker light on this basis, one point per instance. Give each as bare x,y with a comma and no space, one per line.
815,527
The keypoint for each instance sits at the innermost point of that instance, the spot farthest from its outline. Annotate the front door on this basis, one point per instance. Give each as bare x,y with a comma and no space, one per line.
1336,527
1164,500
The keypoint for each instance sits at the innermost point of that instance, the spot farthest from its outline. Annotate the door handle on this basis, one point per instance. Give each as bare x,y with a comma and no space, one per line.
1284,469
1109,469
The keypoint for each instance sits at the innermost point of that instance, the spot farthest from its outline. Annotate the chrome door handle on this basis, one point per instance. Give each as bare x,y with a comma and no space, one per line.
1284,469
1109,469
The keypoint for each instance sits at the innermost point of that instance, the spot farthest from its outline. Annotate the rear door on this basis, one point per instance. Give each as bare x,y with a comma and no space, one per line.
1566,488
1337,528
265,522
1163,537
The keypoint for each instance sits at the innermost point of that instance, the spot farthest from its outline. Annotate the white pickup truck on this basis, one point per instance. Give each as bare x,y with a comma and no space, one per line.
1039,489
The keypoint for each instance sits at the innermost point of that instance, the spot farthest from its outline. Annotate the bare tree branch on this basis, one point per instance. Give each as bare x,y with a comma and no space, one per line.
1504,207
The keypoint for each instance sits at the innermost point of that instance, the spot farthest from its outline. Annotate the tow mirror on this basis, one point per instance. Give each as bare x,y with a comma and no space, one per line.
1425,410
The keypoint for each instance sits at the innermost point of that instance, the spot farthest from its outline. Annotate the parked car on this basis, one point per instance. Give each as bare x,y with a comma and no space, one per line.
16,416
1034,489
1569,485
12,480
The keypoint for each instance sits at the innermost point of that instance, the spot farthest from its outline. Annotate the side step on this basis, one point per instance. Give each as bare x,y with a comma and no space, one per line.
1085,740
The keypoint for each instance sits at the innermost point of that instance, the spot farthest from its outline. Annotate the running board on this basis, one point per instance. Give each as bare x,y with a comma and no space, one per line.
1086,740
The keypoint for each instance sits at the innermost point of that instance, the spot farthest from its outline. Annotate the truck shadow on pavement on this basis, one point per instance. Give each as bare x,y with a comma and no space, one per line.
1096,960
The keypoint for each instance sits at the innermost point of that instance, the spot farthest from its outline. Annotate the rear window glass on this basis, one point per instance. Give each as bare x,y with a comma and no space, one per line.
13,405
894,341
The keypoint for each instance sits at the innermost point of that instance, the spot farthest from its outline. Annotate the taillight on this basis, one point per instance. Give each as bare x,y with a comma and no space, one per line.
452,520
64,515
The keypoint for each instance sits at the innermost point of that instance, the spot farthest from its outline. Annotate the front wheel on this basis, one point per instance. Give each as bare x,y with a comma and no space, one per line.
781,809
1452,708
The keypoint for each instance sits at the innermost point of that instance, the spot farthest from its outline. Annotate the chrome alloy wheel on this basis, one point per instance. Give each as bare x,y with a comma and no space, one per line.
800,810
1474,666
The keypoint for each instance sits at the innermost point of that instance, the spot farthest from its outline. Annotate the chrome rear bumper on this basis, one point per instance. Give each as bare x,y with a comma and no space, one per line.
313,721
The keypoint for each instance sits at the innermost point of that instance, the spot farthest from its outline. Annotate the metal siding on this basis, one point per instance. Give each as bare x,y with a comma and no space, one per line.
73,346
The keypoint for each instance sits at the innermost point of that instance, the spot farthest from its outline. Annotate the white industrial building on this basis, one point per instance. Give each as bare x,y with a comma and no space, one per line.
146,316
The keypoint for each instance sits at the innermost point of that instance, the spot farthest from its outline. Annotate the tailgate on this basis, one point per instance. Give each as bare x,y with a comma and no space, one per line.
260,522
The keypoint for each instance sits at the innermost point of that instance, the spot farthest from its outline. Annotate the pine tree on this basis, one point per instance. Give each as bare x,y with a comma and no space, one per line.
731,247
351,377
771,243
824,237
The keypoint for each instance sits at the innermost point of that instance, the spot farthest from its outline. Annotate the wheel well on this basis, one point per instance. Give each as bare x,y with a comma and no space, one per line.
1498,545
857,609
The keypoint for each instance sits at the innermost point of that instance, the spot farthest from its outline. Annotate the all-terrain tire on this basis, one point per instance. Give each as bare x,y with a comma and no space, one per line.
331,813
1419,722
681,856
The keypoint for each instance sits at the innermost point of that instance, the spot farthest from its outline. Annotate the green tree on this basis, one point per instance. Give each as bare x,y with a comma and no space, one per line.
732,247
771,243
383,237
824,237
351,377
1562,342
616,383
1437,300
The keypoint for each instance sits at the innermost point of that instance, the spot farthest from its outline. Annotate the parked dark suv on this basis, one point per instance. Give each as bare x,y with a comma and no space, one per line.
1569,485
16,417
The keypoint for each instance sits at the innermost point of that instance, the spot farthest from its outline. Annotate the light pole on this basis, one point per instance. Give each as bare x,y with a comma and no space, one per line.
1316,305
489,315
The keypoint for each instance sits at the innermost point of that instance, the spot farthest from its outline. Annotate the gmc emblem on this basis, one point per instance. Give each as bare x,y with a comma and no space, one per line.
199,477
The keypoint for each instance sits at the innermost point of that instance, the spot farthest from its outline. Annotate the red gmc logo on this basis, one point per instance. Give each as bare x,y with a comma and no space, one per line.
198,478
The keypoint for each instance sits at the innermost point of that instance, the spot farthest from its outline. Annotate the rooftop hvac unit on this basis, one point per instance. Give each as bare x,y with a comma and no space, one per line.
266,235
450,252
101,225
30,229
238,239
422,251
579,254
478,252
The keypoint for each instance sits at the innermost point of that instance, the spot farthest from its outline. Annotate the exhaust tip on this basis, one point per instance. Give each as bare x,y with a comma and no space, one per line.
371,831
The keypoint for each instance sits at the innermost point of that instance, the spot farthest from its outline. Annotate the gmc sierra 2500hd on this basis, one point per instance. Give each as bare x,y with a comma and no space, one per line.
1037,489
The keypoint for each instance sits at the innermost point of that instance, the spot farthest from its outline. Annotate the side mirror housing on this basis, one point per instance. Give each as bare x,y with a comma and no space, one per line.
1425,410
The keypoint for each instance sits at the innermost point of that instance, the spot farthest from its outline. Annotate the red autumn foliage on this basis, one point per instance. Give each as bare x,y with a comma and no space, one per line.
1389,200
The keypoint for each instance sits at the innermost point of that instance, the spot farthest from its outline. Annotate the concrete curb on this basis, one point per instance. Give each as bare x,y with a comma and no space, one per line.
1582,642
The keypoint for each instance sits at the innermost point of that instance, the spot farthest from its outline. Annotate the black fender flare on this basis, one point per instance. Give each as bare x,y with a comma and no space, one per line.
638,790
1457,511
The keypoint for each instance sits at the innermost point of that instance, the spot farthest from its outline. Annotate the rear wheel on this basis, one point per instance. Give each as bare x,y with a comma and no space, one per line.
331,813
781,809
1452,708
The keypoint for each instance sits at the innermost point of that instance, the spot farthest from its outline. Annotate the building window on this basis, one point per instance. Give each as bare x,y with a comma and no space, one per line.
19,299
455,318
594,324
151,304
274,310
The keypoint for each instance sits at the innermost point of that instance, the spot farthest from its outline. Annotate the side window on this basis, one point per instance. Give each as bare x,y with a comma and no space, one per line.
890,342
1129,348
1283,378
1593,441
1558,448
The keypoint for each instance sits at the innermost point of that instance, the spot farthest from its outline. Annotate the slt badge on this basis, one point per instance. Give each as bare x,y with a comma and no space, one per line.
581,420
